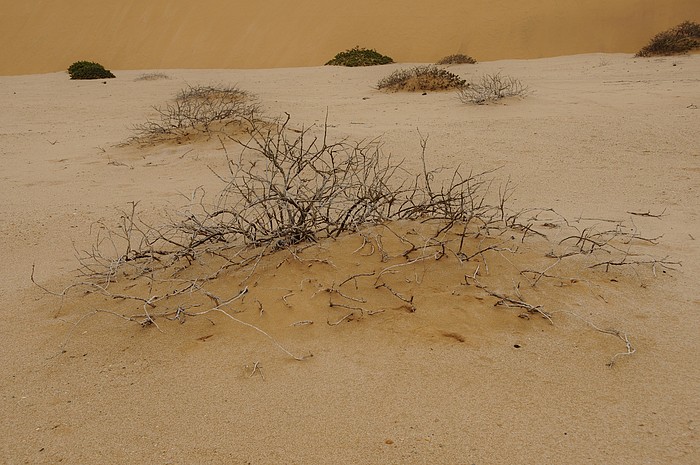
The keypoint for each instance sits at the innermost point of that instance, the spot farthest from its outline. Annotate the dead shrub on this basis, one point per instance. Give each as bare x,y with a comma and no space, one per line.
152,77
491,88
420,78
288,190
199,109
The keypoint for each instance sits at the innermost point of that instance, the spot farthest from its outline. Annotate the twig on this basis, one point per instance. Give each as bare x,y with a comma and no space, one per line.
648,214
509,302
257,368
613,332
358,275
341,320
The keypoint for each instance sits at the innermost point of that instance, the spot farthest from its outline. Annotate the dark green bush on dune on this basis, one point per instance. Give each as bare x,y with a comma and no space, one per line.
88,70
679,39
360,57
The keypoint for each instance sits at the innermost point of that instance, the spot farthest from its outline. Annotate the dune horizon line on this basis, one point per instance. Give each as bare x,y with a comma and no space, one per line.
42,36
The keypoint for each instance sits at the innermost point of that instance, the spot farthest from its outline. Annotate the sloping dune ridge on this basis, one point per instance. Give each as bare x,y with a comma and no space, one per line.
42,36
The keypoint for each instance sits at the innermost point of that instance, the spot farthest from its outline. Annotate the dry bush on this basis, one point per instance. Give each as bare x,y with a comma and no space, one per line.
420,78
491,88
286,188
679,39
288,191
152,77
199,109
457,59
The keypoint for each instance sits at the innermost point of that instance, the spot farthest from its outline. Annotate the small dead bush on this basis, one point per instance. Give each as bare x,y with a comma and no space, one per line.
679,39
359,57
152,77
457,59
420,78
199,109
491,88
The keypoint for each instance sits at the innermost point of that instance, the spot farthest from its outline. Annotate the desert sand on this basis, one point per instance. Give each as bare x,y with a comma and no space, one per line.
46,36
602,136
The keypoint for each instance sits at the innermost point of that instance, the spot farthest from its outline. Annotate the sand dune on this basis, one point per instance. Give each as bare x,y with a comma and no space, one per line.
45,36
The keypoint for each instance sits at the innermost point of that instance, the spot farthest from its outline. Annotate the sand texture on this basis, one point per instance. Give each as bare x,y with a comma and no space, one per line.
46,36
445,378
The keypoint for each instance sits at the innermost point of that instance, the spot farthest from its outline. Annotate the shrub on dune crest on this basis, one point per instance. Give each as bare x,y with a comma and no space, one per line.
360,57
457,59
88,70
420,78
679,39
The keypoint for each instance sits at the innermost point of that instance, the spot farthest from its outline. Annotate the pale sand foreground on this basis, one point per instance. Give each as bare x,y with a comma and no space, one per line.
601,135
41,36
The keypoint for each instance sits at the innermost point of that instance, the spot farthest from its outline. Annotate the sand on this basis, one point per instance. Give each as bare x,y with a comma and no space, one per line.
45,36
456,381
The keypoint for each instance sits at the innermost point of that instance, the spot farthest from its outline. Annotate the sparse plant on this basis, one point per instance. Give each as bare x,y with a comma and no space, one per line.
421,78
156,76
198,109
289,190
491,88
359,57
88,70
456,59
682,38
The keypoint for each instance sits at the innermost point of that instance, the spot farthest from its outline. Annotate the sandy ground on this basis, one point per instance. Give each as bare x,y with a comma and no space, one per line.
46,36
600,135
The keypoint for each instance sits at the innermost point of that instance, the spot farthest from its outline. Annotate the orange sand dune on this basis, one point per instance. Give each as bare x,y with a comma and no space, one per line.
41,36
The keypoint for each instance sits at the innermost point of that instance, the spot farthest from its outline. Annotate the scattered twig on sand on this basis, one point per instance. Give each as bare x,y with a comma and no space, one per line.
648,214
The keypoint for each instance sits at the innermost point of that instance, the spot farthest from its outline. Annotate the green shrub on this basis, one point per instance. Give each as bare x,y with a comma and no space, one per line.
360,57
421,78
679,39
88,70
457,59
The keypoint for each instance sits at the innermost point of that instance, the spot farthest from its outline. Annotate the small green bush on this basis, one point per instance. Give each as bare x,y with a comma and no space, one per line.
421,78
360,57
457,59
679,39
88,70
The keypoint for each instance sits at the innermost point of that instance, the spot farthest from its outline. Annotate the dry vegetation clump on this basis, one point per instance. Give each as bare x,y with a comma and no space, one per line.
457,59
156,76
491,88
359,57
421,78
199,109
289,197
679,39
